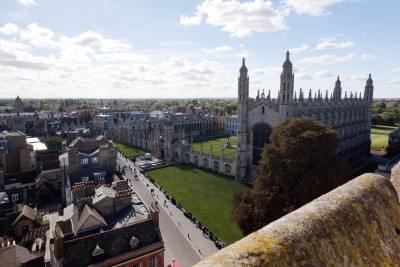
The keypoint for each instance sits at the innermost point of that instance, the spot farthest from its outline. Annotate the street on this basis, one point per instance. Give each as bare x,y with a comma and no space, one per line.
183,241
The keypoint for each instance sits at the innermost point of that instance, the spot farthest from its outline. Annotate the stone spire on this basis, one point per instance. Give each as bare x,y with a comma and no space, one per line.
369,90
243,83
337,91
301,97
243,69
286,91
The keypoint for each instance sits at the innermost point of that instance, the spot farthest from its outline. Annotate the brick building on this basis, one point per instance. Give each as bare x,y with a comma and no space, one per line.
111,226
87,160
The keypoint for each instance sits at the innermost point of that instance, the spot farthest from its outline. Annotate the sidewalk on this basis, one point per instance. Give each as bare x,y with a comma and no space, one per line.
202,244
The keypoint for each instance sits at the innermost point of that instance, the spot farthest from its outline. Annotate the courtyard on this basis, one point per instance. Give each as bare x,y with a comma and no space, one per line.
380,136
216,143
208,196
129,150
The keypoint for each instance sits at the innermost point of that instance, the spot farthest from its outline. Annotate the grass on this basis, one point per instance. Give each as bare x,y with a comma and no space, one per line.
380,136
217,143
208,196
129,150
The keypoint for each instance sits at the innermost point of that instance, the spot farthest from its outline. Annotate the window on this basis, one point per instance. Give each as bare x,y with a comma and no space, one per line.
85,179
14,197
95,160
137,265
84,161
153,262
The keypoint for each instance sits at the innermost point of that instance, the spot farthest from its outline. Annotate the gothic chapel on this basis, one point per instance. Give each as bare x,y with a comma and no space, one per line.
350,117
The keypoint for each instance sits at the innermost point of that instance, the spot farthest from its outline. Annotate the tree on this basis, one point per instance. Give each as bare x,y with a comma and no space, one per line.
299,165
85,116
53,142
376,119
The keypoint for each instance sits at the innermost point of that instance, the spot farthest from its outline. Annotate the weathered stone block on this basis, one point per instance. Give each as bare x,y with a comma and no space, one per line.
357,224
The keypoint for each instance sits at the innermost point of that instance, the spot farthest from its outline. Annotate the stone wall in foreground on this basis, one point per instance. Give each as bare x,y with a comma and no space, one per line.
357,224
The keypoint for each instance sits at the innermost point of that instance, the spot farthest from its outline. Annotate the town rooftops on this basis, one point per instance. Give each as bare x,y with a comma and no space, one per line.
90,144
27,212
80,251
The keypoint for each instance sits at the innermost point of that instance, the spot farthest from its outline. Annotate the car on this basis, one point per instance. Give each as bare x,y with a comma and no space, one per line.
142,157
147,156
143,166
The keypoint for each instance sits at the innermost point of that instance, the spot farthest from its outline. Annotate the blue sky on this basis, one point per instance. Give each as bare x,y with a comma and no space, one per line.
194,49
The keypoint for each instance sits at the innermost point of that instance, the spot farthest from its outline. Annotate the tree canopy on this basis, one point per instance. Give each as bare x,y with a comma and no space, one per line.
53,142
298,165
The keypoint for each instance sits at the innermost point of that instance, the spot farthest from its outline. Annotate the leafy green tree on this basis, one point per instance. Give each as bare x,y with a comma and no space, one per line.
376,119
299,165
85,116
380,105
53,142
231,108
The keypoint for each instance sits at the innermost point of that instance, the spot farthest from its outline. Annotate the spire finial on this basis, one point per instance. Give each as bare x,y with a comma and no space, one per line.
243,62
287,55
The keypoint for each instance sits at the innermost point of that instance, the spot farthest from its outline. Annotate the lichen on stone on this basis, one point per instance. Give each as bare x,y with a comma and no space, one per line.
357,224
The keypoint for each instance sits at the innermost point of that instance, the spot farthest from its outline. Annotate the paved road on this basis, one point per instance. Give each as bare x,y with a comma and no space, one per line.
174,226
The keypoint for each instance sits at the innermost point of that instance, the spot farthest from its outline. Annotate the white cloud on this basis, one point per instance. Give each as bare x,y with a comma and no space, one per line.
302,48
395,70
9,28
176,62
311,7
324,73
328,59
89,38
333,45
240,19
223,48
37,36
27,2
13,54
267,71
190,21
122,57
243,54
109,45
368,56
303,76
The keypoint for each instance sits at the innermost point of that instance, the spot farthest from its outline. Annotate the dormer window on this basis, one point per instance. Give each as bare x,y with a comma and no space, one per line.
84,161
95,160
97,253
134,242
85,179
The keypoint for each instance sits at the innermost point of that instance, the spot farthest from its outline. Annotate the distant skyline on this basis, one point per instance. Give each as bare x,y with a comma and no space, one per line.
194,49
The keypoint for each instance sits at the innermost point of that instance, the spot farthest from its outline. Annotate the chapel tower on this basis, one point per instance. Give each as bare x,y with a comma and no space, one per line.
337,91
243,98
286,90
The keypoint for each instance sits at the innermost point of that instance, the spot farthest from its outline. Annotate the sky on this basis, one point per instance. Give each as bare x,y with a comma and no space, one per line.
194,49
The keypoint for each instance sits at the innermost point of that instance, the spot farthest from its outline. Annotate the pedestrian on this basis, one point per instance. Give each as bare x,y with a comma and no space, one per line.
188,236
165,202
199,251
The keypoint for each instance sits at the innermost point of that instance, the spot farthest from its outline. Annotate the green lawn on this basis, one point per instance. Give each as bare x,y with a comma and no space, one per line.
129,150
217,143
208,196
380,135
